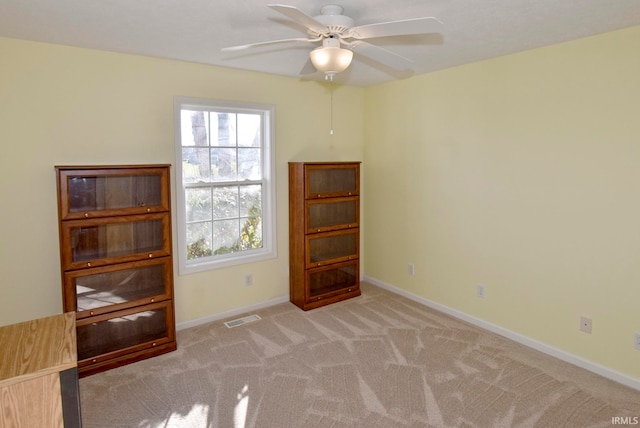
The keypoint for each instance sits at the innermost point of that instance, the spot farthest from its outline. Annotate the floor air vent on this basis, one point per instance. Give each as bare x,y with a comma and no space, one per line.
241,321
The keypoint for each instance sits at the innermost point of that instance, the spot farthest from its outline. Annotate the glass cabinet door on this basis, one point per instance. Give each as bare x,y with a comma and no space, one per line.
118,332
332,247
323,215
99,290
117,191
333,180
101,241
336,278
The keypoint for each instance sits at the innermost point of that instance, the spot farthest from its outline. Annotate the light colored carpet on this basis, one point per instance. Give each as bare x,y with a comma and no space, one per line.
379,360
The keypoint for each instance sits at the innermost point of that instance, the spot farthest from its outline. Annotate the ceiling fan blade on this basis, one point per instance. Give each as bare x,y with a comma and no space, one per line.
380,55
396,28
270,42
300,17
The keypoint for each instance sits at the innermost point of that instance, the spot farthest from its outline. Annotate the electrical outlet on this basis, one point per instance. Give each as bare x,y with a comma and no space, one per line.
636,341
248,280
411,269
585,324
480,290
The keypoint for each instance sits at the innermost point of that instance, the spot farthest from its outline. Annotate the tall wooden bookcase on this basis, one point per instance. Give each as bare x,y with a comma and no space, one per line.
324,232
116,258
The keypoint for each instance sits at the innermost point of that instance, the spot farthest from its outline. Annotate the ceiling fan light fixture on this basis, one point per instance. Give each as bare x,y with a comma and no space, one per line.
331,60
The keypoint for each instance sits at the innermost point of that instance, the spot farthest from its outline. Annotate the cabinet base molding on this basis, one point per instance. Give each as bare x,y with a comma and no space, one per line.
125,359
312,304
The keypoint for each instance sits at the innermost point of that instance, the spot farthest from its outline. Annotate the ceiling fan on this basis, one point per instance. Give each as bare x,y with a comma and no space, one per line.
341,38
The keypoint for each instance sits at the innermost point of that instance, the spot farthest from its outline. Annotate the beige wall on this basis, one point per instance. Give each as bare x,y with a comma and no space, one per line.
521,173
61,105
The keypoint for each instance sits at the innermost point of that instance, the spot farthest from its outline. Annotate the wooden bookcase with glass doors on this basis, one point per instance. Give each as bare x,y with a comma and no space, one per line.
116,258
324,232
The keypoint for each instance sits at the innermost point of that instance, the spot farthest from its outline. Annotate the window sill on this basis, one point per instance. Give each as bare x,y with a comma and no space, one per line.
224,262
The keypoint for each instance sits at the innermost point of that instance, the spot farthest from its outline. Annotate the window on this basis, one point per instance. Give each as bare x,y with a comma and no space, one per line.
225,183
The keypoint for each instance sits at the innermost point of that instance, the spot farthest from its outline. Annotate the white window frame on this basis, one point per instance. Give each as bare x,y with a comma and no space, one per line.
269,246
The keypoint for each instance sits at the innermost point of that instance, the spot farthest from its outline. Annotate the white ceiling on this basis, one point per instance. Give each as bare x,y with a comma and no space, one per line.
196,30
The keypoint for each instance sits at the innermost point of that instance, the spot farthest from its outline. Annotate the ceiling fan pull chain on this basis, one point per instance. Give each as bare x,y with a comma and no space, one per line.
331,108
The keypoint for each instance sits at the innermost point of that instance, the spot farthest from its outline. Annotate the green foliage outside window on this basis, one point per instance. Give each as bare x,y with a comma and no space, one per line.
198,249
250,238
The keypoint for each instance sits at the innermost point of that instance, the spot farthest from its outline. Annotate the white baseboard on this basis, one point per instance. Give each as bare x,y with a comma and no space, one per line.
232,313
516,337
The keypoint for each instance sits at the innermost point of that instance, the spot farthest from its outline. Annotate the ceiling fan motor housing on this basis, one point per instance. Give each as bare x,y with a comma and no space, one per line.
333,19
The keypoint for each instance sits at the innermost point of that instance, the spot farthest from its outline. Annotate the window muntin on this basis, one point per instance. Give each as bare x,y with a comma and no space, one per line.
226,186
